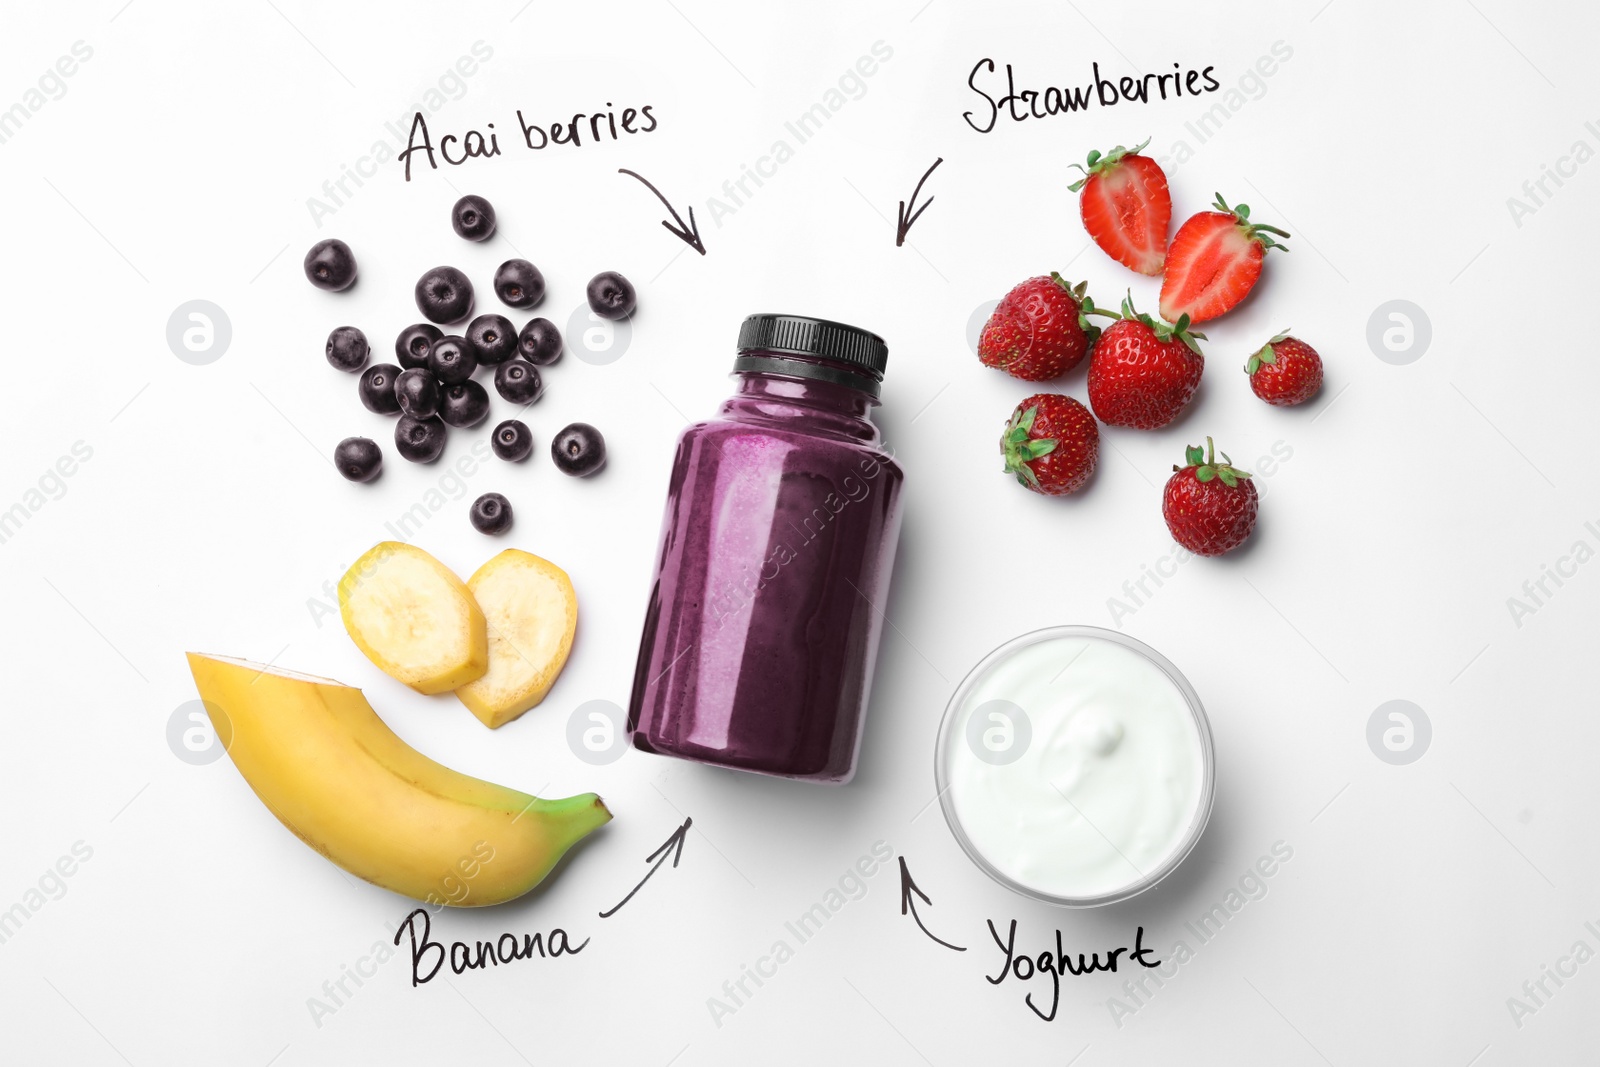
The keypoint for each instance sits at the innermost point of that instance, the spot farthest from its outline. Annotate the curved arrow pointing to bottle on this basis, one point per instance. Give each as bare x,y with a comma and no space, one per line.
907,888
690,234
907,219
672,845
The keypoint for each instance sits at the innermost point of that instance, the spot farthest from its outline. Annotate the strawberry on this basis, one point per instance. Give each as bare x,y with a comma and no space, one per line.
1214,261
1144,371
1126,207
1040,330
1210,507
1051,444
1286,371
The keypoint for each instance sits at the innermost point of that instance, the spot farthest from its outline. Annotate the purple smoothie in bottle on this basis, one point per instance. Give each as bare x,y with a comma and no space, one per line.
782,516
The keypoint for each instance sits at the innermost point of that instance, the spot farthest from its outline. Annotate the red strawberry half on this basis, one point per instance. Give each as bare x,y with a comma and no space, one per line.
1126,207
1040,330
1051,444
1144,371
1214,262
1210,507
1286,371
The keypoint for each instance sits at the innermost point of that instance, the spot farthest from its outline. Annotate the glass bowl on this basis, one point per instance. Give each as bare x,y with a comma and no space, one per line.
953,729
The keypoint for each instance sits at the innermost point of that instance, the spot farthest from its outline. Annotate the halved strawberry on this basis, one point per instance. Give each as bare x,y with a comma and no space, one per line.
1126,207
1214,261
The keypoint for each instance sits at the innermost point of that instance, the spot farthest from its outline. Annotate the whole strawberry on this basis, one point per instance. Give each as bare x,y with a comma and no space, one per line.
1286,371
1051,444
1040,330
1210,507
1144,371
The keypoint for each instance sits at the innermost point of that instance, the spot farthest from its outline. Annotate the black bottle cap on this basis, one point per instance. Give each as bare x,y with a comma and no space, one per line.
858,356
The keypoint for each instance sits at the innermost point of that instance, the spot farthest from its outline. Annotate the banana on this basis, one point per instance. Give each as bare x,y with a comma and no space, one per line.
323,762
414,618
532,614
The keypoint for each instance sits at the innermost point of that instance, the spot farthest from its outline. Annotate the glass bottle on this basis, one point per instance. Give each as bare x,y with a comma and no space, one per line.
781,522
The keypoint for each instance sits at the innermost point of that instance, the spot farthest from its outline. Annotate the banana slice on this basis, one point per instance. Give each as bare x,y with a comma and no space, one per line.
532,614
414,618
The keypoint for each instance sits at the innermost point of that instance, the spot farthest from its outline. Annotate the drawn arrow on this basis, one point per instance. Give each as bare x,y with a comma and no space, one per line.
673,845
907,220
907,888
689,235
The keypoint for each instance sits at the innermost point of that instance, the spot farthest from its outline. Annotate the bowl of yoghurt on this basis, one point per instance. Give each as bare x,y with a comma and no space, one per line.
1075,766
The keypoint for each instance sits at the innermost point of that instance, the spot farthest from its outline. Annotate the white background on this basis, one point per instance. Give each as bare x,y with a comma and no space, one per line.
177,165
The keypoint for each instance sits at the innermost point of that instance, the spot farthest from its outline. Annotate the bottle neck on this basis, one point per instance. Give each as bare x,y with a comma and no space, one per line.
817,406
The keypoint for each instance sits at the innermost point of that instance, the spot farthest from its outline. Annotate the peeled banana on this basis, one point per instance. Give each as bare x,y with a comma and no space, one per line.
323,762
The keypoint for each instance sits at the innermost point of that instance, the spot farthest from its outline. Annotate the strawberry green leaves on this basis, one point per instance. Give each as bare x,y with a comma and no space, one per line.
1086,306
1265,354
1019,449
1258,232
1164,331
1097,162
1206,467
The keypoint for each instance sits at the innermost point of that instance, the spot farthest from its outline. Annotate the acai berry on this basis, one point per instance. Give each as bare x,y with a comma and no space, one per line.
518,284
331,265
452,360
491,514
377,389
611,296
512,440
518,382
411,347
473,218
420,440
444,295
359,459
464,404
347,348
493,339
579,450
539,342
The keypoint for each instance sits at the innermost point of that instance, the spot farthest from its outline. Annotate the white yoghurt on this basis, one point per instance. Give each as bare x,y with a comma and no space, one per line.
1094,786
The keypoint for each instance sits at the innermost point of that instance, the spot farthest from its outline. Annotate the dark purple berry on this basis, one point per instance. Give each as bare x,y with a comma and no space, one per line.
491,514
539,342
579,450
331,265
359,459
347,348
451,360
377,389
493,339
512,440
419,440
444,295
518,382
519,284
417,392
464,404
473,218
411,347
611,296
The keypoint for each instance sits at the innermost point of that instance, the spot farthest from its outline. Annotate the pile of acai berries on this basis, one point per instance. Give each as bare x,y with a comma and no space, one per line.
432,388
